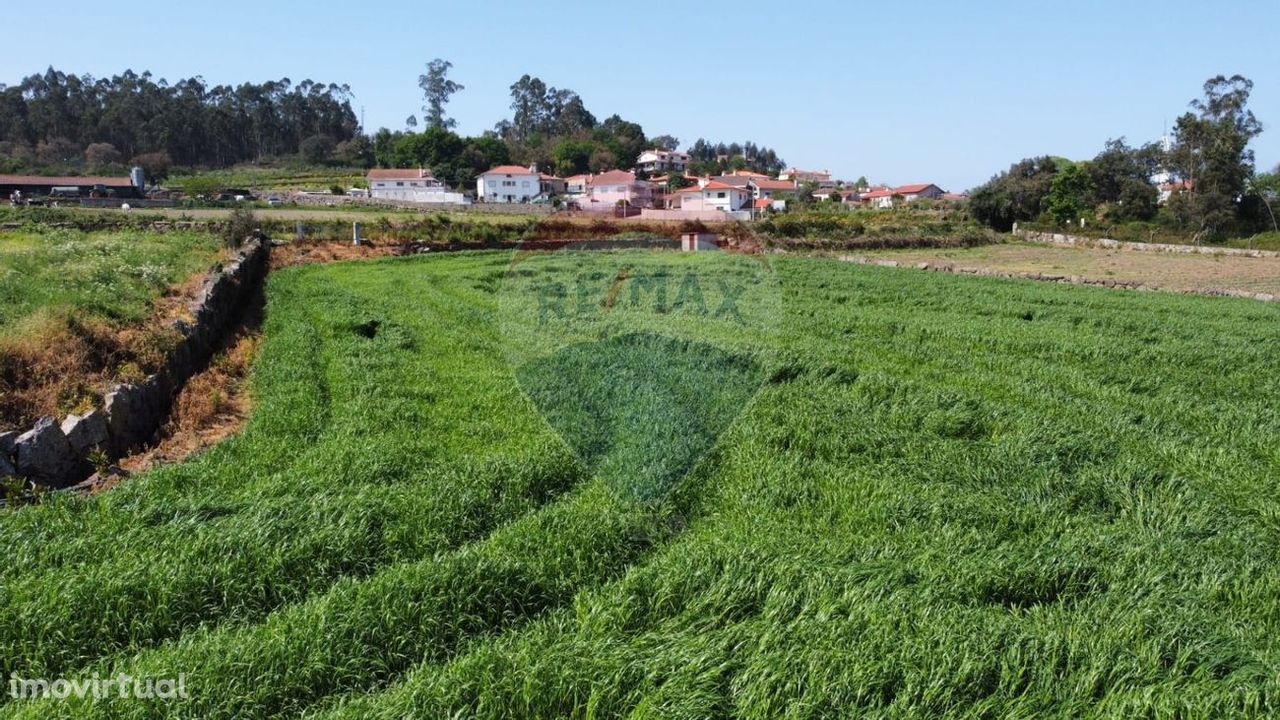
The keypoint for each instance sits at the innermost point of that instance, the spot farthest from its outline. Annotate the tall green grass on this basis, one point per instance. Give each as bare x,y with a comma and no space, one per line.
107,276
914,495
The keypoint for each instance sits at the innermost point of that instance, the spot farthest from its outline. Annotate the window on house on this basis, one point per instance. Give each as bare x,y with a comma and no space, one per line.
720,195
399,184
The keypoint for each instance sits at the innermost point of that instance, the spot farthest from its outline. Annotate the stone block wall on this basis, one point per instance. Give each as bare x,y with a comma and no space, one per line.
56,455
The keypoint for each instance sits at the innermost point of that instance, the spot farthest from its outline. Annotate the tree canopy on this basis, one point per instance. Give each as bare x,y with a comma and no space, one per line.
48,121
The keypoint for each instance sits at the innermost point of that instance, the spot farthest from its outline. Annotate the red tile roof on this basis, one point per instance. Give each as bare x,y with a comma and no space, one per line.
766,184
398,173
65,180
913,189
509,170
763,203
714,185
614,177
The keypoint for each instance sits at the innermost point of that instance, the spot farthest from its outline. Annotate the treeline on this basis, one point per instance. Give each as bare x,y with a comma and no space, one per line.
549,126
66,123
59,123
707,158
1212,187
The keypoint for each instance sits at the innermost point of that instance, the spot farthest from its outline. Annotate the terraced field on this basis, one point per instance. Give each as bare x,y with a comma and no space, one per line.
535,486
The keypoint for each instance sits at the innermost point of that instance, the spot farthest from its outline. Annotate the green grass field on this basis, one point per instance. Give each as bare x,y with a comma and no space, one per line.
470,488
111,276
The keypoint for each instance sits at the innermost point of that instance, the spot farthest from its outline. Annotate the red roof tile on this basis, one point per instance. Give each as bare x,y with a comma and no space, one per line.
398,173
912,189
509,170
614,177
766,184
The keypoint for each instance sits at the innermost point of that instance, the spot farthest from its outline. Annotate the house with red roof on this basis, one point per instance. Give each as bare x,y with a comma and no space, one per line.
918,191
509,184
885,197
609,189
716,195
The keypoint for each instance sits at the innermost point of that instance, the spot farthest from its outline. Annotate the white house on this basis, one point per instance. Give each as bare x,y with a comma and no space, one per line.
410,185
657,161
509,184
715,195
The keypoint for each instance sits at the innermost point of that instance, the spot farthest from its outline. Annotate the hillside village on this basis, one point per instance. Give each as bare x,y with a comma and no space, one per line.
658,187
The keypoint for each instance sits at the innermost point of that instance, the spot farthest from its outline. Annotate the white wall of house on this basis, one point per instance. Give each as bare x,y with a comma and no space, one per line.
724,200
508,187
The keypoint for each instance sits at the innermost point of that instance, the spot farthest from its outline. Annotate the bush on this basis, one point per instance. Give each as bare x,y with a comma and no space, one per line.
240,224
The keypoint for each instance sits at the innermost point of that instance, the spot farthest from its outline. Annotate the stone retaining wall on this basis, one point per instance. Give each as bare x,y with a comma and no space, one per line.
56,455
1081,241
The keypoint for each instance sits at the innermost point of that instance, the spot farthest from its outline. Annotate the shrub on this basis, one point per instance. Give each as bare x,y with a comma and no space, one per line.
240,224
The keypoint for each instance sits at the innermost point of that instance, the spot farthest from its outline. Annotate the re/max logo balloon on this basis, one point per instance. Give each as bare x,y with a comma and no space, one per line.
657,290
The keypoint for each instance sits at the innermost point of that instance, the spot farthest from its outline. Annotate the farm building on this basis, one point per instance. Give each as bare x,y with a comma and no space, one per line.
34,186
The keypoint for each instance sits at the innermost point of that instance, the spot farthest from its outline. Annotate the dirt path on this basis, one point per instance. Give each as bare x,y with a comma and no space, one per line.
1167,271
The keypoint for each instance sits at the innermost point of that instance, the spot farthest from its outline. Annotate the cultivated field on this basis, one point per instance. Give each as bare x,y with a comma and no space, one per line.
1172,271
497,485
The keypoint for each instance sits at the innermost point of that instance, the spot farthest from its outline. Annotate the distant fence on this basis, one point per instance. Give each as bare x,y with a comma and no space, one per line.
487,208
131,202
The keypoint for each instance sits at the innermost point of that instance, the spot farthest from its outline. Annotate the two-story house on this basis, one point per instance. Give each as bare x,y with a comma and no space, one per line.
509,184
716,195
608,189
661,161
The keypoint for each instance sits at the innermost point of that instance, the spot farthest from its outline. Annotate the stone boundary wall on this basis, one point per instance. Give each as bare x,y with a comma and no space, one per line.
1048,277
1081,241
56,454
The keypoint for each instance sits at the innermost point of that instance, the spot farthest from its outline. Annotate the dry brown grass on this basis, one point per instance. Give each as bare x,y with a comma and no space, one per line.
211,406
1171,271
56,369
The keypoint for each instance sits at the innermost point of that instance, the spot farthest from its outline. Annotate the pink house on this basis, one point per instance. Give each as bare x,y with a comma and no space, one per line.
608,189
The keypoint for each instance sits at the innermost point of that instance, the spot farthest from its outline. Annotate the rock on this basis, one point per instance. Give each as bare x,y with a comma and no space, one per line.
45,456
85,432
133,414
8,444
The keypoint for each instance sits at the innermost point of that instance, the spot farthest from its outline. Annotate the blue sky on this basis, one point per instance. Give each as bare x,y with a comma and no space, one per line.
948,92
